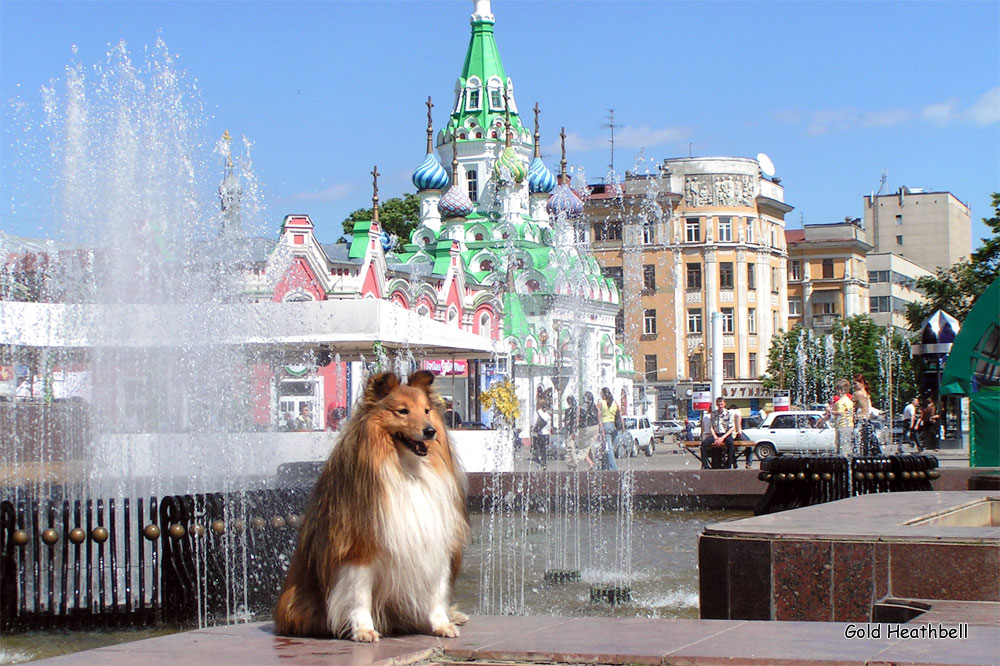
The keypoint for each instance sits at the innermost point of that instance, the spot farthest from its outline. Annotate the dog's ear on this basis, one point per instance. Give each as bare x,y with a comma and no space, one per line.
381,385
421,379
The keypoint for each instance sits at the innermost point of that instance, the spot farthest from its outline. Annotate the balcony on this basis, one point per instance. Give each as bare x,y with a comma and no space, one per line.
825,320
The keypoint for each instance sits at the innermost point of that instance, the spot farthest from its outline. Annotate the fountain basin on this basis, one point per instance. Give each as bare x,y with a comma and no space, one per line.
836,561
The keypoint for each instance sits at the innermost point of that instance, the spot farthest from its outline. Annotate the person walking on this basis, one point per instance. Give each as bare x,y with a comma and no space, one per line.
910,419
590,430
929,428
541,430
609,418
867,439
843,418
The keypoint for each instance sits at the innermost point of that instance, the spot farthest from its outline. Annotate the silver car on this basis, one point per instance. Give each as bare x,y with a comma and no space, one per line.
792,432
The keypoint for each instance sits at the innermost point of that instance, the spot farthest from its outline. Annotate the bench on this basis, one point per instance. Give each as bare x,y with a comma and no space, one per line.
742,447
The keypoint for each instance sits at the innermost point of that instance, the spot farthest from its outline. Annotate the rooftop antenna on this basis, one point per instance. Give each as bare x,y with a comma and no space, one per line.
611,125
881,186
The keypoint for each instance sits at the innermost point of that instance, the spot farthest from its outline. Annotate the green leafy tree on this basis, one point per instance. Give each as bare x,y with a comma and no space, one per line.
809,365
955,289
399,216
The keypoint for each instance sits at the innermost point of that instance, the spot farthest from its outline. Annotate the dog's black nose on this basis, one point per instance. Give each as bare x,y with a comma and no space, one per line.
429,432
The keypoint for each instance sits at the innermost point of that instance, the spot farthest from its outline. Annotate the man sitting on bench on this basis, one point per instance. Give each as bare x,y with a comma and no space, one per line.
721,432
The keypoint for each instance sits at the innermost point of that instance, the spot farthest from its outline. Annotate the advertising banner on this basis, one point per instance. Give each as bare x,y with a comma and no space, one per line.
701,397
781,401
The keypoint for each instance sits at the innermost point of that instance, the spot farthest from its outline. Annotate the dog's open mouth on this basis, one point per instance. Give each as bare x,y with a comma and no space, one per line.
417,446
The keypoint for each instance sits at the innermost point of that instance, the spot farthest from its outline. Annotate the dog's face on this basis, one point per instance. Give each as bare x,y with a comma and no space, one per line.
406,410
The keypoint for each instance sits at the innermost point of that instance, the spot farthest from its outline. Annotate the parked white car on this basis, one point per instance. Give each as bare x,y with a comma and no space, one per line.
668,428
792,432
638,434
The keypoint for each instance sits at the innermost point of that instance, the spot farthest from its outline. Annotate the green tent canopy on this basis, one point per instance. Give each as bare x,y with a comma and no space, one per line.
973,370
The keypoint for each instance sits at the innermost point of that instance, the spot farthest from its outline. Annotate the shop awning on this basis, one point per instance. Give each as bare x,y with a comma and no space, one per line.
345,327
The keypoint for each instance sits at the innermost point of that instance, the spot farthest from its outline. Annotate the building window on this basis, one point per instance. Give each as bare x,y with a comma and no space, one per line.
694,321
774,237
774,321
473,103
727,321
878,304
649,322
826,308
752,370
796,269
725,230
692,230
729,365
899,219
751,277
609,230
694,364
827,269
581,234
899,240
752,321
496,99
472,181
794,307
620,322
725,275
651,367
775,275
694,276
648,233
750,222
649,277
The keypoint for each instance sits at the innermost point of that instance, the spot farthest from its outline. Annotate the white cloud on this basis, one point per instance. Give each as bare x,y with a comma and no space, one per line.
333,193
986,110
941,113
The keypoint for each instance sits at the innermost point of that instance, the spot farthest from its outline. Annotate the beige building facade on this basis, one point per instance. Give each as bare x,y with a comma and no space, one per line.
704,235
892,284
827,274
931,229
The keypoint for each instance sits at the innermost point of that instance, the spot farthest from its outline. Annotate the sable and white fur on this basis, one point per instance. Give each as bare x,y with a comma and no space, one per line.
381,540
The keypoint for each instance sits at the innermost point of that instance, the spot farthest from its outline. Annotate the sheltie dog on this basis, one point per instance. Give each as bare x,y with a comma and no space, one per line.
381,541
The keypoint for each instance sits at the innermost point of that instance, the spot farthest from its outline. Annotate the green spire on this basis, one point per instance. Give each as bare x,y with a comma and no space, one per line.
482,86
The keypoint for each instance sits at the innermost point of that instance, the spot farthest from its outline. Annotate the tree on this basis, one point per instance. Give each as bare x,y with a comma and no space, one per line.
809,365
955,289
399,216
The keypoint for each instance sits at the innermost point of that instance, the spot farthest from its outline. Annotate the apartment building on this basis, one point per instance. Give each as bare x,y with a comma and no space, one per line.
827,274
702,235
892,281
931,229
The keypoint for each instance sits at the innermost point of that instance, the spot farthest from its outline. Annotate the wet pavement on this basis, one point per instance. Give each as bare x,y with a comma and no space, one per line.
492,639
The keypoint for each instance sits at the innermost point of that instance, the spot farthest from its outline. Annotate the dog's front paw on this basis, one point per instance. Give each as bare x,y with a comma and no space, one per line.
365,636
445,630
456,616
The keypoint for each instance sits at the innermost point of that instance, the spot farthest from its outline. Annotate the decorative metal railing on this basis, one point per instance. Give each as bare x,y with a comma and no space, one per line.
796,481
111,562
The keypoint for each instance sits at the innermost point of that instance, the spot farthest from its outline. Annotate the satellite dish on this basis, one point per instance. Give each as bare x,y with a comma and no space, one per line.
766,165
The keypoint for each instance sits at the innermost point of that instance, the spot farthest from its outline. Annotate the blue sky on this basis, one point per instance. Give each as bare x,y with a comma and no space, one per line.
833,92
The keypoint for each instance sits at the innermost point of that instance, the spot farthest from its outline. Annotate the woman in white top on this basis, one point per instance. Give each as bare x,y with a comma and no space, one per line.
540,432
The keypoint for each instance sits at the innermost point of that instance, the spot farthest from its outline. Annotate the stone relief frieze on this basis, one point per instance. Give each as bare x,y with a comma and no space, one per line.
728,190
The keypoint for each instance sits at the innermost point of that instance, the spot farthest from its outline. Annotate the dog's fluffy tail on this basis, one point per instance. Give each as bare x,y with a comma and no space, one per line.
300,612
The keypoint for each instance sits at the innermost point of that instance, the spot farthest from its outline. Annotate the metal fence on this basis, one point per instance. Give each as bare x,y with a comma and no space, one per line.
796,481
112,562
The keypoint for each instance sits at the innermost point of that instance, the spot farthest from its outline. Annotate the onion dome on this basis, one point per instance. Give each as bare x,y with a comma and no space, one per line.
430,175
564,201
510,165
540,179
455,203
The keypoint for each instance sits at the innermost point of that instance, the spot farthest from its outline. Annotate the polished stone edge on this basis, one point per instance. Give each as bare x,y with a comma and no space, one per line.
568,640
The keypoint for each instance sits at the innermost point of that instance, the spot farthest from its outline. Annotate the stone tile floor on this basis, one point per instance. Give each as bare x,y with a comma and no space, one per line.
506,640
